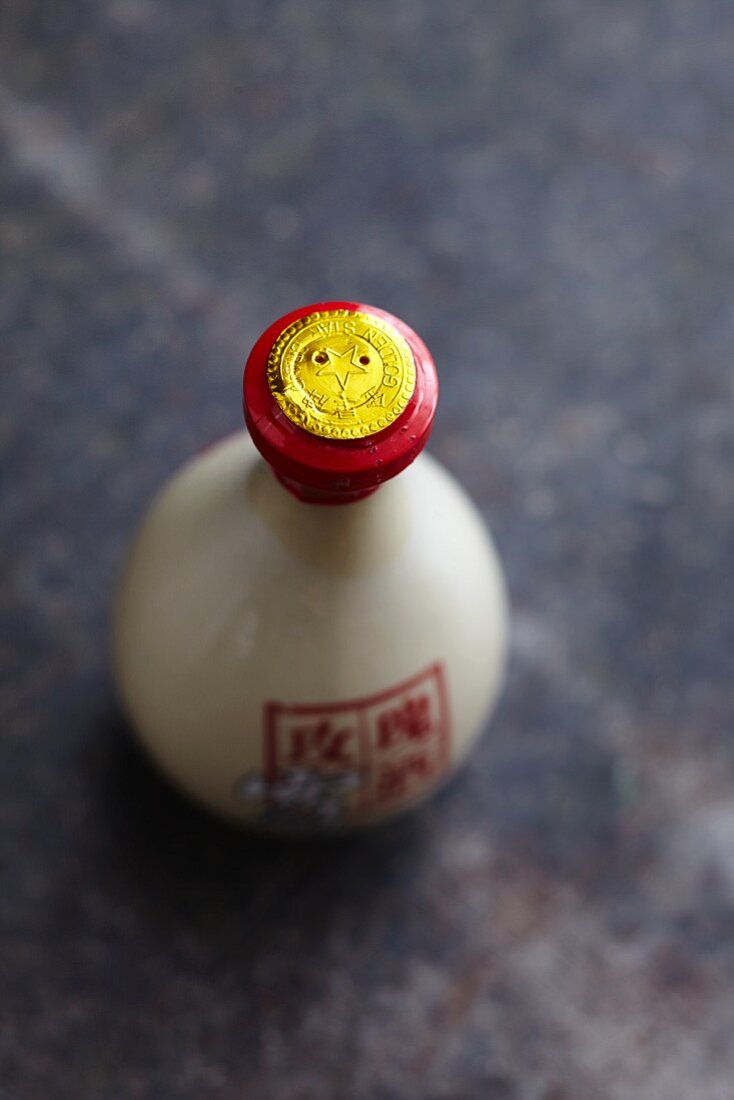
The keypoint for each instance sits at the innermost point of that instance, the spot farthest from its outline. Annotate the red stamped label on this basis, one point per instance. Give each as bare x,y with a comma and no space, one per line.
368,754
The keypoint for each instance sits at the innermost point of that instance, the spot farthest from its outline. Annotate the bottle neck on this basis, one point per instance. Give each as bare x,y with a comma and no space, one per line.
310,495
338,540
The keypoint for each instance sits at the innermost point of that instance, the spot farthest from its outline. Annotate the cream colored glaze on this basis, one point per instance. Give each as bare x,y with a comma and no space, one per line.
235,594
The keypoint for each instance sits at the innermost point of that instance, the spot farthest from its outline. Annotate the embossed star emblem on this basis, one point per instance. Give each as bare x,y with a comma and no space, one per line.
342,365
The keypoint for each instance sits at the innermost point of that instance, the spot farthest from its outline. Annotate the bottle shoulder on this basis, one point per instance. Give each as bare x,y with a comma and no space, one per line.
227,500
232,572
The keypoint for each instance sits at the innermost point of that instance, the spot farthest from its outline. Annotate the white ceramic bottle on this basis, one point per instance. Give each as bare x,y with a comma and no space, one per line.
303,643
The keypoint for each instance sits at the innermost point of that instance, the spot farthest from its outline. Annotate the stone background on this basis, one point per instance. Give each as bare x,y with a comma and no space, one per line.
544,189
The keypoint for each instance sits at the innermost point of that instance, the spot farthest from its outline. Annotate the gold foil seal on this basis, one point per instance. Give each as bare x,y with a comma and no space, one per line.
341,374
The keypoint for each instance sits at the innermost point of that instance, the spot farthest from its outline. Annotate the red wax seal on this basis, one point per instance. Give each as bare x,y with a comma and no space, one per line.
339,397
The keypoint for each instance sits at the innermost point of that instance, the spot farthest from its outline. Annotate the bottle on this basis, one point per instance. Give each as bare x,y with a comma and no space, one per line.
303,641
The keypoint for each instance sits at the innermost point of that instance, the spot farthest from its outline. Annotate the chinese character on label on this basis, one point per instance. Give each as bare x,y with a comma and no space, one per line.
354,758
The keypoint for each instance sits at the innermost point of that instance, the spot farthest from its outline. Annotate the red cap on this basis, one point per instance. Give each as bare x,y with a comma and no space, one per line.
328,470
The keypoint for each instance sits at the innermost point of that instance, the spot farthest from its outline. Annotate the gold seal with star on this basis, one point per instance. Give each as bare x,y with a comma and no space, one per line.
341,374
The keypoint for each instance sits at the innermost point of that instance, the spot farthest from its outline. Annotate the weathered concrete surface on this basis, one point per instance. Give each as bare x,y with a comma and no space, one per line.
544,190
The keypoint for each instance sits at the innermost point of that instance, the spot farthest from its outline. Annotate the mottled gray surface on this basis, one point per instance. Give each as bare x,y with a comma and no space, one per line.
545,190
